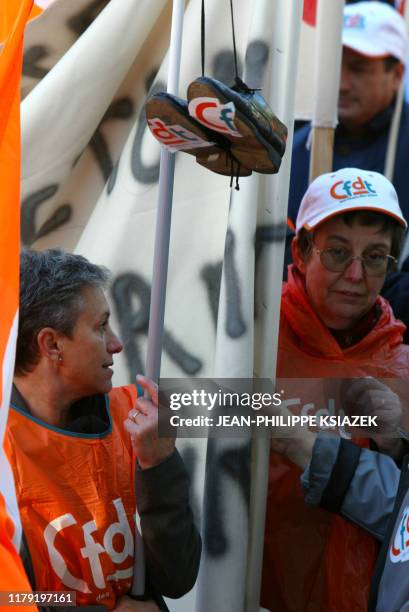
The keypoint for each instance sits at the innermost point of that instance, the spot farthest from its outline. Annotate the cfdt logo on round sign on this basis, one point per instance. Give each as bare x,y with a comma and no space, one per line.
348,189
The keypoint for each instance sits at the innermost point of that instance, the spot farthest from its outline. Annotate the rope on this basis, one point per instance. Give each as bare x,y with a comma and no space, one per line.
234,40
237,187
202,34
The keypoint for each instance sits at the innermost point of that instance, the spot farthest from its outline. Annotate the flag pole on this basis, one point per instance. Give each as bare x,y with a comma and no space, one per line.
287,18
161,254
282,100
394,133
328,54
164,212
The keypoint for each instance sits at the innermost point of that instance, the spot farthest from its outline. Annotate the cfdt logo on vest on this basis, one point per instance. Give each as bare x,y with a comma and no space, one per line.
352,189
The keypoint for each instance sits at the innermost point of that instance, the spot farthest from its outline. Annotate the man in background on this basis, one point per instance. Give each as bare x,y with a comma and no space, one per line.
375,47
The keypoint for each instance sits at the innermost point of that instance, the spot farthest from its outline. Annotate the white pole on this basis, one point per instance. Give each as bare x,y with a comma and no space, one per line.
161,254
394,133
164,213
287,17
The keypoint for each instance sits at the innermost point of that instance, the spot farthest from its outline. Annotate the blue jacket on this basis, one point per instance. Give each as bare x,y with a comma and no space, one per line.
368,489
367,152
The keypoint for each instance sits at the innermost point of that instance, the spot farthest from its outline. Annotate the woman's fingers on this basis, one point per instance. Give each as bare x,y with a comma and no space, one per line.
149,386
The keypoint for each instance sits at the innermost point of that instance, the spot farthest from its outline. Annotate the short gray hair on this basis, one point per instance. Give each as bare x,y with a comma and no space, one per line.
51,283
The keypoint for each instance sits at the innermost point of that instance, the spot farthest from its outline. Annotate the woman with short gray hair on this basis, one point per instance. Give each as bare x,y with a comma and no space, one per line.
72,442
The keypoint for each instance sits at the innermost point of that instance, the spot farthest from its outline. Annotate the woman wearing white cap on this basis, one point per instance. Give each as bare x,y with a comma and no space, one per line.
333,324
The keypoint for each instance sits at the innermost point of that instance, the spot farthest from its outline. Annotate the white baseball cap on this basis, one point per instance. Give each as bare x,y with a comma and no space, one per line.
346,190
375,29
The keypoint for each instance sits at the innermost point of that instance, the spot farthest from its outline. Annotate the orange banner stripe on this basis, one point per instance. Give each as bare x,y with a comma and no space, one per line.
13,17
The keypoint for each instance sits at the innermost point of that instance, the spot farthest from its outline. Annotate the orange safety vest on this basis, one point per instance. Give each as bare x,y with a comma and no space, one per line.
77,502
315,561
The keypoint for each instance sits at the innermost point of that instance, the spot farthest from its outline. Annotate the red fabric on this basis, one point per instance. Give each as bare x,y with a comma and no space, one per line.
400,6
310,12
12,575
77,502
315,561
308,350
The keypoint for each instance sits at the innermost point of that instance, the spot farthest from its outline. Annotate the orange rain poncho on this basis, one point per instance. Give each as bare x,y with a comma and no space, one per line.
315,561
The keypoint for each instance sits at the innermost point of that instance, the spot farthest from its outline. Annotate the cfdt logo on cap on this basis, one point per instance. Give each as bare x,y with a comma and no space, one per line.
354,21
350,189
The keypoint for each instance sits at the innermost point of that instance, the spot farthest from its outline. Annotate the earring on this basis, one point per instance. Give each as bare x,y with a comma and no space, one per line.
59,357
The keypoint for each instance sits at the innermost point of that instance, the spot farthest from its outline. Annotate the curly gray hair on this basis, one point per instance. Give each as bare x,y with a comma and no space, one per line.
50,296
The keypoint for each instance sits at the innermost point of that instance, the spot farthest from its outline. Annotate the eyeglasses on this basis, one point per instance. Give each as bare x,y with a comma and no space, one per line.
338,260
